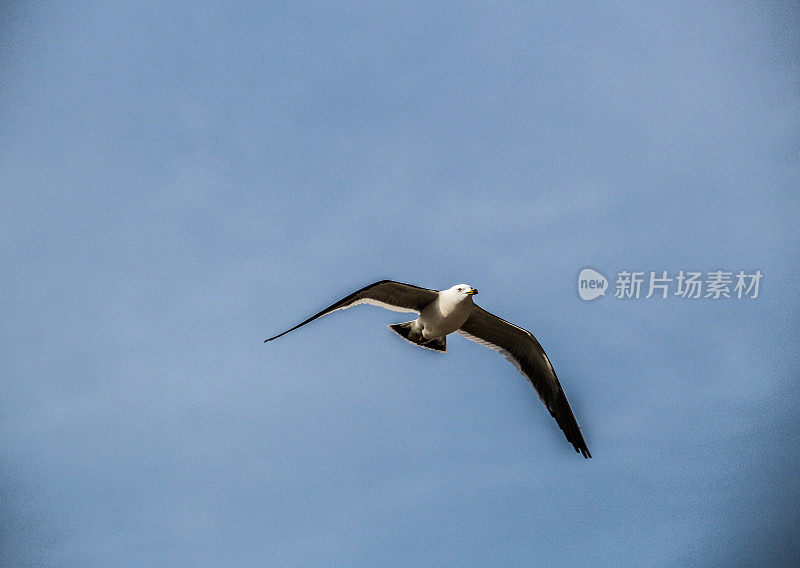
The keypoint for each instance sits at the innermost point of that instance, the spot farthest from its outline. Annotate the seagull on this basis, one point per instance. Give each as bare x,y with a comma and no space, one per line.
453,310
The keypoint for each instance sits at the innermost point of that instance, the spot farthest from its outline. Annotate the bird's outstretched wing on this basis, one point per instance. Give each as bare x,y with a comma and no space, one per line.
520,347
387,294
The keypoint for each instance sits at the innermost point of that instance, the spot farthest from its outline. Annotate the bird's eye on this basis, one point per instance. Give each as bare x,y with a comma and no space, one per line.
461,289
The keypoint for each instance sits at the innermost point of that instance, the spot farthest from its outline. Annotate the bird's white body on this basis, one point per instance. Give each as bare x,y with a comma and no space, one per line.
446,313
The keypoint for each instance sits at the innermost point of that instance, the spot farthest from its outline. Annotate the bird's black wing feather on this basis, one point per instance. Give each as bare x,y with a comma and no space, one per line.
522,349
388,294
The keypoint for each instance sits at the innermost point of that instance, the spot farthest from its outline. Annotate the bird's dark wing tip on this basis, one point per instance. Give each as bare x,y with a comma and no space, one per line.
581,447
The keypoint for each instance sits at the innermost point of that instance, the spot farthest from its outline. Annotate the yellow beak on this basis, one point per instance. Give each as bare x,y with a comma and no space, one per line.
472,292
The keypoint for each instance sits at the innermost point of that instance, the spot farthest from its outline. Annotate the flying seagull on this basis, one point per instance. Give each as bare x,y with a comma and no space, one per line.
452,310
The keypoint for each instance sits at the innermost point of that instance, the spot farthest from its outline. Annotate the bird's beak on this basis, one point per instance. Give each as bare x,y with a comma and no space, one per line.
472,292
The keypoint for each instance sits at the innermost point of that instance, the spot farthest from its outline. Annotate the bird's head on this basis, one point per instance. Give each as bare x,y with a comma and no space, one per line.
463,290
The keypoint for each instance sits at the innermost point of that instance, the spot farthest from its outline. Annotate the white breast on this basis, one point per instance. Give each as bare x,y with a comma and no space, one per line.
445,314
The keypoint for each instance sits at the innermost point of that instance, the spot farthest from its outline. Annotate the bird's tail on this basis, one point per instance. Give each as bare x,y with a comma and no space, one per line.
404,329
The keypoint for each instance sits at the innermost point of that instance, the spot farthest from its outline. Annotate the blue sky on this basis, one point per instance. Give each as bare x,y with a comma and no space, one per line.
181,181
